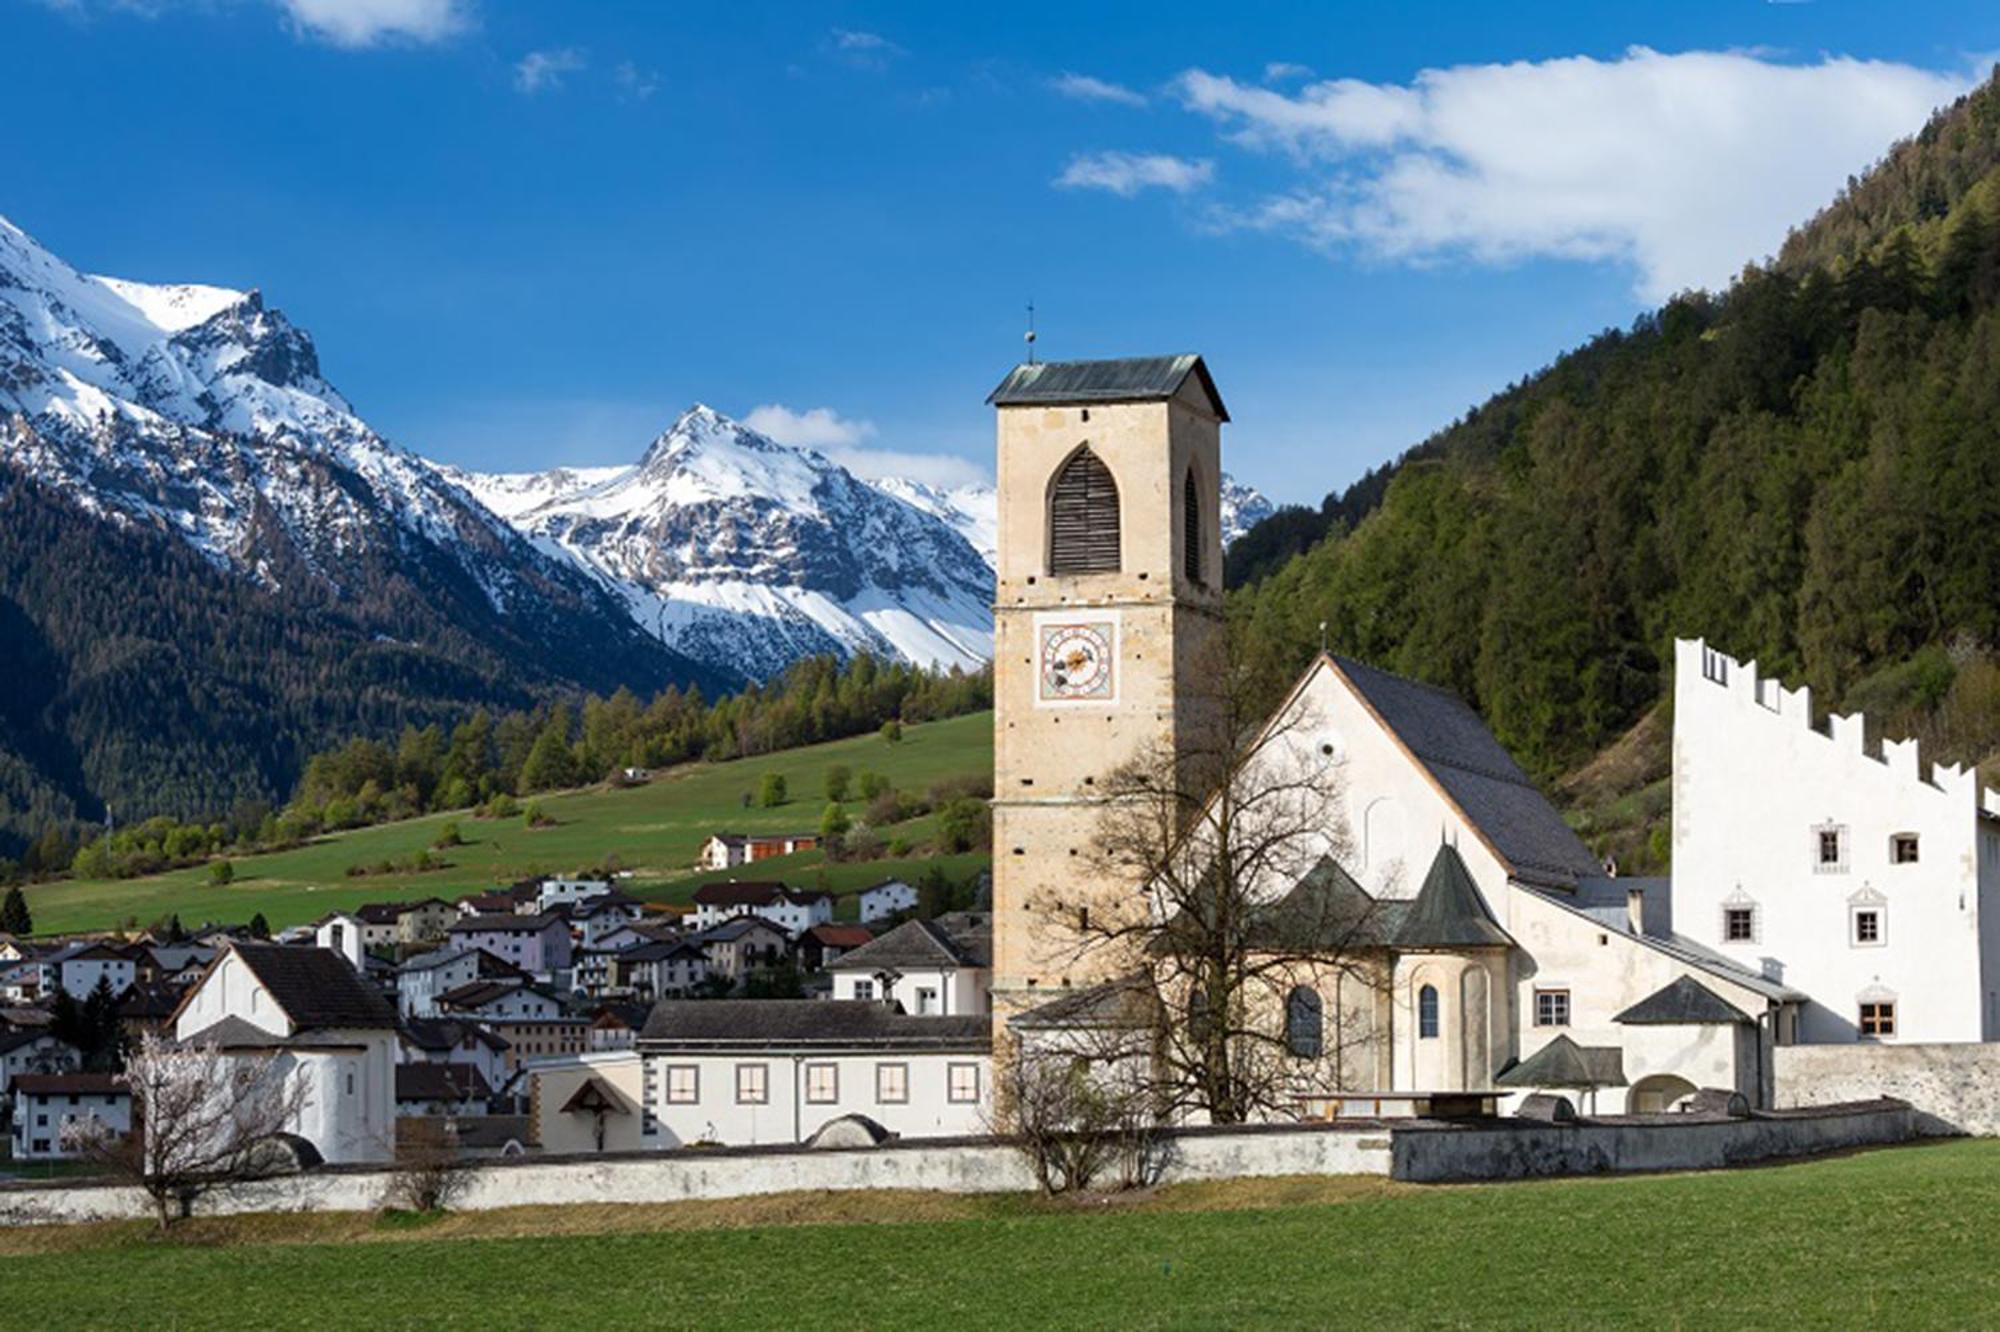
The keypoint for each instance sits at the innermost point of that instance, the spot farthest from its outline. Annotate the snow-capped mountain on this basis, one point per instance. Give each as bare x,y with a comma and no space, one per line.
972,511
1243,507
201,412
746,553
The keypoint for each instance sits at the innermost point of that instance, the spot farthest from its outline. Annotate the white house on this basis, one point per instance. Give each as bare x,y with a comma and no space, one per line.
791,910
603,915
942,967
558,893
1865,877
885,899
45,1102
32,1050
735,948
324,1025
424,1089
454,1041
78,968
727,850
758,1071
422,979
539,945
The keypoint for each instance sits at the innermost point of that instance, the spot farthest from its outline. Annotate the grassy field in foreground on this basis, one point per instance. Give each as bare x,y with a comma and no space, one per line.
655,830
1892,1238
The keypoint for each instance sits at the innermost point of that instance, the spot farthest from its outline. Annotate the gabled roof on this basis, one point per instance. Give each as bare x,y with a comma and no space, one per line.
918,945
840,936
315,986
1476,772
440,1082
13,1038
70,1084
1448,911
502,924
731,930
1564,1063
447,1034
1127,1003
479,993
234,1033
594,1096
808,1022
1326,910
1129,379
1685,1001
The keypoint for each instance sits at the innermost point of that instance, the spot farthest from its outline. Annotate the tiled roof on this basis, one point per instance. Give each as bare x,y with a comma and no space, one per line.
498,924
841,936
316,987
234,1033
70,1084
964,939
447,1034
1448,911
1683,1002
1477,772
1125,1004
440,1082
1130,379
807,1023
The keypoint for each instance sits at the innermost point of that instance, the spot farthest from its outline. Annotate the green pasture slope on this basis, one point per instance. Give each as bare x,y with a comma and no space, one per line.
654,829
1896,1238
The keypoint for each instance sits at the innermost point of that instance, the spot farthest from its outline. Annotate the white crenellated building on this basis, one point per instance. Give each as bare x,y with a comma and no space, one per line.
1859,874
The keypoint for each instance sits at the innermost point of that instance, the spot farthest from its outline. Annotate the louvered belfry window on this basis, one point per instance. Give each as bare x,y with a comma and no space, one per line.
1191,528
1083,517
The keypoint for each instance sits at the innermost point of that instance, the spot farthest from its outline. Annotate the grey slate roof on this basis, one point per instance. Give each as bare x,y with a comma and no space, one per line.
925,945
316,987
440,1082
503,924
823,1023
1686,1001
1463,757
1131,379
1448,911
1125,1004
1564,1063
234,1033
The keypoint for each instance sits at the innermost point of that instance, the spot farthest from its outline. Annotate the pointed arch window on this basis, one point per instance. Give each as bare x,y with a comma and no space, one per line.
1191,528
1305,1023
1427,1012
1083,517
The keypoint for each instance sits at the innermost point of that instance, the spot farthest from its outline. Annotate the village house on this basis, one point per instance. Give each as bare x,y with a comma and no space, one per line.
735,948
556,894
791,910
617,1027
727,850
823,945
533,1022
45,1103
423,921
171,964
597,917
426,976
36,1049
435,1089
538,945
942,966
344,933
78,967
885,899
322,1024
455,1041
658,969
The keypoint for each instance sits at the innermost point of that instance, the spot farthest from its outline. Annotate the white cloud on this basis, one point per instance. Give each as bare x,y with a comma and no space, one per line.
864,50
357,23
1127,173
814,428
635,83
944,470
1084,88
544,71
1685,166
1279,71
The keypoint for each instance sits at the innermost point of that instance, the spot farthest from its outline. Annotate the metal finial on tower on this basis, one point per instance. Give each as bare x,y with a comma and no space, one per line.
1029,336
1322,638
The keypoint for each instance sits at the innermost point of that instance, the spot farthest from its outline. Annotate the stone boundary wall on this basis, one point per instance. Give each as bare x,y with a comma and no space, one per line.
1515,1149
1954,1087
1496,1149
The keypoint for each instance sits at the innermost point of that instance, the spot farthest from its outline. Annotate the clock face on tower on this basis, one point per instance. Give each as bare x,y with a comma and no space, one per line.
1078,659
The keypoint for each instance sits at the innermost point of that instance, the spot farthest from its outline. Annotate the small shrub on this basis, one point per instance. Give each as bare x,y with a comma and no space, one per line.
873,784
448,836
892,731
771,791
839,781
221,873
534,816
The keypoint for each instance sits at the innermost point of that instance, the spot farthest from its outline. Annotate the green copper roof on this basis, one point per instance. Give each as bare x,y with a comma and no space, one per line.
1449,912
1564,1063
1685,1002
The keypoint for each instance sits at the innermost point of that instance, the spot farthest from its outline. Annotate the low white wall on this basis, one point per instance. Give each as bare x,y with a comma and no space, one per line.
1500,1149
1518,1150
1954,1087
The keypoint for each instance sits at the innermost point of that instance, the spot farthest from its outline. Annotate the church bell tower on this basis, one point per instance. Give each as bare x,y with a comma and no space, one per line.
1110,594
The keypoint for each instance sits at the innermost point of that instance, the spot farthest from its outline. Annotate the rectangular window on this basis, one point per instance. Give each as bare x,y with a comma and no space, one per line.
962,1084
1878,1019
822,1084
753,1084
892,1084
864,989
1552,1008
1903,849
1830,848
683,1084
1868,926
1739,925
926,999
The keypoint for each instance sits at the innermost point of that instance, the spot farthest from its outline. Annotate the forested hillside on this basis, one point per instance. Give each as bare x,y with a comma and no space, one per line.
1805,469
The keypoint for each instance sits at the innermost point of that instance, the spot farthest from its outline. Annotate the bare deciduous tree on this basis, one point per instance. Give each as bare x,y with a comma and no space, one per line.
1262,956
430,1172
202,1121
1080,1108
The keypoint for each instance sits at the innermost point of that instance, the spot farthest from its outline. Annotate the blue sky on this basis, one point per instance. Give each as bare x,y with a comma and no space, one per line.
528,234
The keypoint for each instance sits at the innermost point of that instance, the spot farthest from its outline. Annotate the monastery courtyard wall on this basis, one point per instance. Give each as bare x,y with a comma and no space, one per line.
1955,1088
1417,1151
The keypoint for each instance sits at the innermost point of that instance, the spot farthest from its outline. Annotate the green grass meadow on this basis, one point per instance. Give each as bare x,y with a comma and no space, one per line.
1895,1238
654,829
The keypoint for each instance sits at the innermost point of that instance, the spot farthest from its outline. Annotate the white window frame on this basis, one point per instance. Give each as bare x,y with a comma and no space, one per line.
1749,909
1890,1017
864,989
1558,996
1881,915
1838,865
955,1091
690,1093
828,1094
892,1083
927,995
1896,843
758,1094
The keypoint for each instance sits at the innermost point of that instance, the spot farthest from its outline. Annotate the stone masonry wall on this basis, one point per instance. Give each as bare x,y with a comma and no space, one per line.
1955,1088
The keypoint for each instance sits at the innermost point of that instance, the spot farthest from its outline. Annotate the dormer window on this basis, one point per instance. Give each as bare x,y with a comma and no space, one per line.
1903,849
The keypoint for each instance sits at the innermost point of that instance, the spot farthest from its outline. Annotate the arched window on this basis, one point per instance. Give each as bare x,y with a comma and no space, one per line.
1304,1025
1191,528
1427,1011
1083,517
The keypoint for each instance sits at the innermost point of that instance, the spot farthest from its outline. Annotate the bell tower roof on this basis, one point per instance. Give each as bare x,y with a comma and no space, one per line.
1129,379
